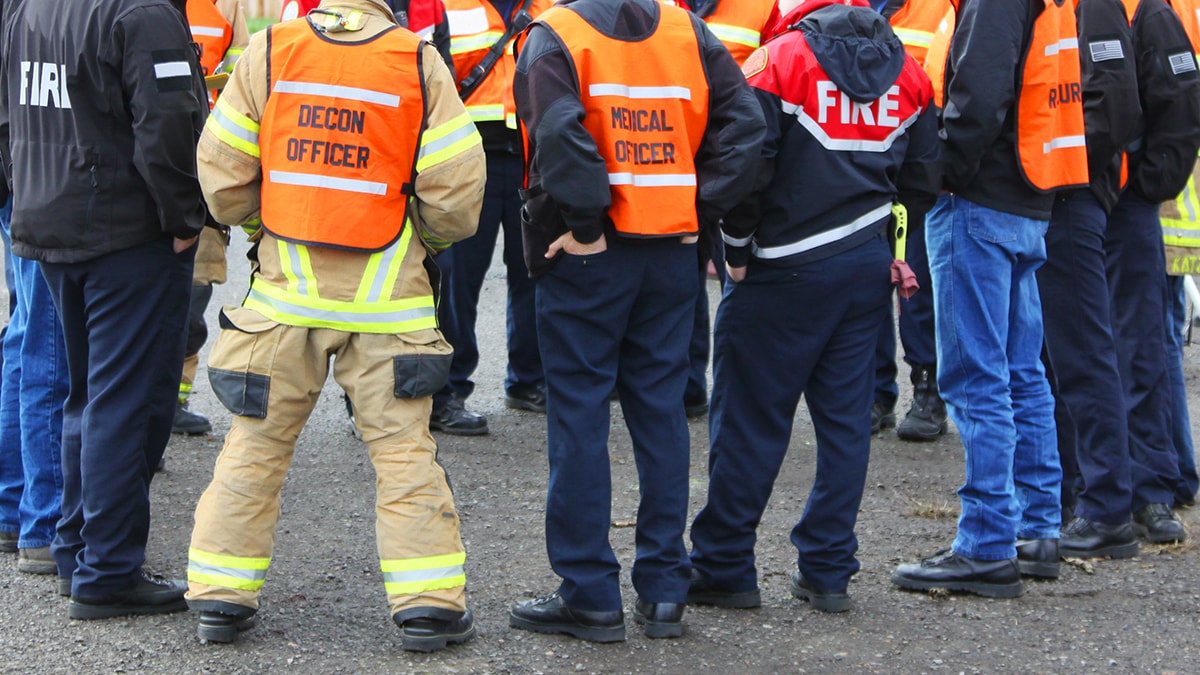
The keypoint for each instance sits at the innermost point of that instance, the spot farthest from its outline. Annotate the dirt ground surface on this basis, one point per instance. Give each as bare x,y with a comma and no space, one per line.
324,610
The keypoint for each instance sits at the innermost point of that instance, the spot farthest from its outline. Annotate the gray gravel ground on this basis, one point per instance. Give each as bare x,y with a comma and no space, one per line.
324,609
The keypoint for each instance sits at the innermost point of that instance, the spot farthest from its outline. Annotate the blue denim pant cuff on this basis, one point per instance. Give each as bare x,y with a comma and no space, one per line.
986,555
1038,534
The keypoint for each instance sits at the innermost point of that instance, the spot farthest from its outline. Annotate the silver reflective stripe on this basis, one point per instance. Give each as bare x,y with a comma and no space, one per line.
654,180
293,254
1063,44
1063,142
639,92
386,257
334,316
232,127
843,144
172,69
446,141
207,31
236,573
1181,232
827,237
1188,191
736,242
431,574
337,91
328,182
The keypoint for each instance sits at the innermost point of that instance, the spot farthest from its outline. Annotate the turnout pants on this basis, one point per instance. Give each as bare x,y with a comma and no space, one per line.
781,333
269,376
621,318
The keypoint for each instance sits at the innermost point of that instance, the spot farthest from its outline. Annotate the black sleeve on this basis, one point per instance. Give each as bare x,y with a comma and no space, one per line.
1111,110
1170,92
160,77
731,146
981,86
441,40
5,150
742,221
920,176
572,171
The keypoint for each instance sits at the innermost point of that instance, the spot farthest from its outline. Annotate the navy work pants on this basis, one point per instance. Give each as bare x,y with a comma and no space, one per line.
917,328
781,333
620,318
124,319
464,266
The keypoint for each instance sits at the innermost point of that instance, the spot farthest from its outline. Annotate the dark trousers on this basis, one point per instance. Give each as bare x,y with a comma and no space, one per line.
916,319
124,319
1093,437
464,266
197,327
781,333
618,318
700,346
1138,287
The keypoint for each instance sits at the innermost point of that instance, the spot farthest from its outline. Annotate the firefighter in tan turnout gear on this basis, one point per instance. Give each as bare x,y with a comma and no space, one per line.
341,137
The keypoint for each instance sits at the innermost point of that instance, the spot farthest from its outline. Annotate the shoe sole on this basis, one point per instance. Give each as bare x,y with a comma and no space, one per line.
1144,533
433,643
519,404
742,600
696,412
192,431
589,633
224,633
1013,590
1118,552
8,547
885,422
908,435
458,432
37,567
64,587
1039,570
658,629
825,602
86,612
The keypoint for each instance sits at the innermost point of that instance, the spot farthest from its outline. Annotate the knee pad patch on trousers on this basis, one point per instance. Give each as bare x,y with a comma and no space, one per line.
420,375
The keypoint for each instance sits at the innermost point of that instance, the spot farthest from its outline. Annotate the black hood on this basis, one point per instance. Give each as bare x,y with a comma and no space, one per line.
857,49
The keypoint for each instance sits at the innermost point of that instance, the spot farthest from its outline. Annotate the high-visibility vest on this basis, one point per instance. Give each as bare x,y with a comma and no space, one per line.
1181,217
1050,133
915,24
647,122
935,58
476,25
338,140
739,25
213,33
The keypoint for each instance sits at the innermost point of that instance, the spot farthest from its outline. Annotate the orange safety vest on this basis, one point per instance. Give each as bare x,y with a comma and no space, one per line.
935,57
213,33
476,25
338,141
1050,136
647,122
915,24
1189,16
740,24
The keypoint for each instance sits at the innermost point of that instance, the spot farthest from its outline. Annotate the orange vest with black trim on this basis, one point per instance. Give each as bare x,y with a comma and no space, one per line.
740,24
476,25
1189,16
1050,135
213,33
915,24
339,141
935,58
647,122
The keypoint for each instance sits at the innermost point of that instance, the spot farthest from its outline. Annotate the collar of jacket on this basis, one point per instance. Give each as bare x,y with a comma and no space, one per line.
378,8
809,6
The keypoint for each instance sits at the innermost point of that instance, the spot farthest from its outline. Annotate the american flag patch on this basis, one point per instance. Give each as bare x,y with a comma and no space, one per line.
172,70
1184,62
1106,50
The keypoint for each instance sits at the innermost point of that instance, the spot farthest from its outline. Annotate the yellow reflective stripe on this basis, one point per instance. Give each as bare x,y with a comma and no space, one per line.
916,38
393,316
417,587
486,113
393,269
737,34
227,571
446,141
224,581
470,43
228,560
233,128
231,59
296,265
420,575
410,564
375,286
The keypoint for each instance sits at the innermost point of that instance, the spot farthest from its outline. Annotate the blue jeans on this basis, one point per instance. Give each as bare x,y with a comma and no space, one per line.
1181,424
31,405
989,341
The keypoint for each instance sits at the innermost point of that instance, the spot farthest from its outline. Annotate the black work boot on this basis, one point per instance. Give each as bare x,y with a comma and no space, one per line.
926,419
453,418
429,634
883,416
188,422
222,621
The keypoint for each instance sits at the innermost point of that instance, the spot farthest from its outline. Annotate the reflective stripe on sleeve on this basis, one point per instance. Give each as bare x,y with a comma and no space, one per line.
419,575
233,128
737,34
735,241
486,113
446,141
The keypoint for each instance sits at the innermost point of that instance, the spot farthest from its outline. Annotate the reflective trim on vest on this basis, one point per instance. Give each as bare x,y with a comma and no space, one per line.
336,91
469,43
864,221
915,38
742,36
446,141
486,113
1062,45
413,576
843,144
655,180
1064,142
206,31
682,93
328,182
227,571
233,128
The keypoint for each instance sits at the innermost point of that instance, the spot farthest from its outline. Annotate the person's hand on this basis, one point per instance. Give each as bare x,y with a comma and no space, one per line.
568,244
689,239
182,245
735,274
